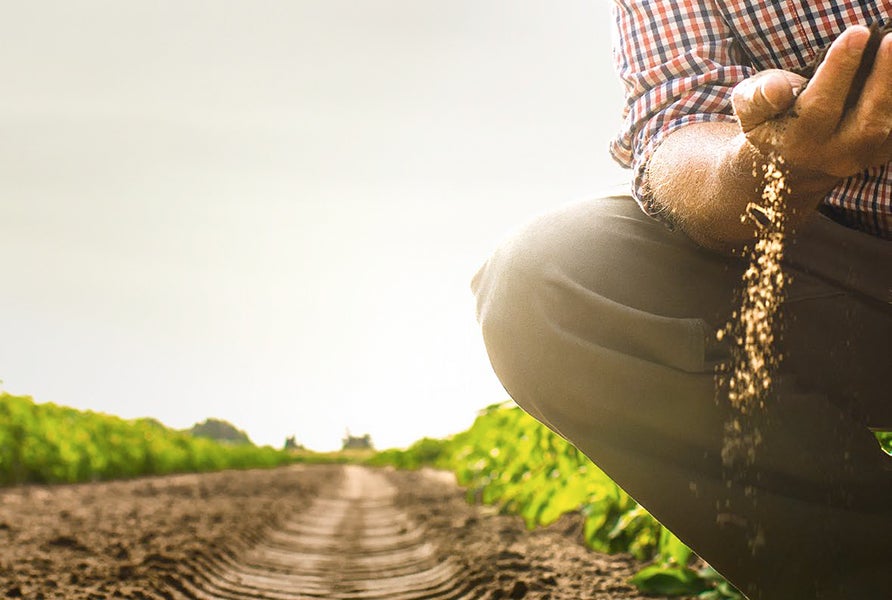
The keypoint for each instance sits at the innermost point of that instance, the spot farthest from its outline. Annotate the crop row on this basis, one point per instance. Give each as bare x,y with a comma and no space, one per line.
47,443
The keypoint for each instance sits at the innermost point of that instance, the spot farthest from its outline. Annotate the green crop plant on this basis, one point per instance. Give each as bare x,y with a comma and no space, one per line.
47,443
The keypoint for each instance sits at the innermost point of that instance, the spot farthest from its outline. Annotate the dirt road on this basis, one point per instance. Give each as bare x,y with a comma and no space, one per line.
293,533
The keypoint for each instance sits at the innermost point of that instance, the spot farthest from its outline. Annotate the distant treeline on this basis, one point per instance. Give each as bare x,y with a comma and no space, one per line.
222,431
47,443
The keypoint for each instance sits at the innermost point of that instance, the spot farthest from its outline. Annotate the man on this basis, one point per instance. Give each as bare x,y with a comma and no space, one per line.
600,318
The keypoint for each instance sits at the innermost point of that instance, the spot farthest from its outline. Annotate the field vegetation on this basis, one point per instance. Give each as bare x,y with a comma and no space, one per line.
47,443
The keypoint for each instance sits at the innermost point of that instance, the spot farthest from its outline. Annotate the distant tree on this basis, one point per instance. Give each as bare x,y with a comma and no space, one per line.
220,430
291,444
350,442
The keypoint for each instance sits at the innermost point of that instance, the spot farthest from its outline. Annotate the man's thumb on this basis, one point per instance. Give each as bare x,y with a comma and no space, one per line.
764,96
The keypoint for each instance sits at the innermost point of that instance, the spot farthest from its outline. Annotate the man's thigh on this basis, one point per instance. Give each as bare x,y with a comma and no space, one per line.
611,274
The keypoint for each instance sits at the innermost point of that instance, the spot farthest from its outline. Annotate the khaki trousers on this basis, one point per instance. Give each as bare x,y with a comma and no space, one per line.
601,322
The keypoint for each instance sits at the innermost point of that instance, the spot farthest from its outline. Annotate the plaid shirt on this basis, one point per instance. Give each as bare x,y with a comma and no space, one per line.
679,60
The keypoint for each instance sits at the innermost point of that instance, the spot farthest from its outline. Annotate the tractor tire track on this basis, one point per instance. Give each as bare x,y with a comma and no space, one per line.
301,531
351,543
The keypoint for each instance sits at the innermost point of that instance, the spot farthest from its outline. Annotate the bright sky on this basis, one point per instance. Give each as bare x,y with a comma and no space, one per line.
270,212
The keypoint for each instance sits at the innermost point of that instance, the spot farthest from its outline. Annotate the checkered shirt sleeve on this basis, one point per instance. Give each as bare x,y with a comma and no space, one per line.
678,62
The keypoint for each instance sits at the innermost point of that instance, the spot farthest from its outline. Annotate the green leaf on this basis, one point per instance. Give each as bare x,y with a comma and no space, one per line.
669,581
673,549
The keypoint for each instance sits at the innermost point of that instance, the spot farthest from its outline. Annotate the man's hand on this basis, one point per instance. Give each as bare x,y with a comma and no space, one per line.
818,137
703,174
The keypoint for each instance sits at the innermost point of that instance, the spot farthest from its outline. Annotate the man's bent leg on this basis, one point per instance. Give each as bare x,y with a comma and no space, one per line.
600,322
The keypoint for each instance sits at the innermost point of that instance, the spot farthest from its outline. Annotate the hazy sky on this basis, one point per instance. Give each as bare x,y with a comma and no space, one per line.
270,212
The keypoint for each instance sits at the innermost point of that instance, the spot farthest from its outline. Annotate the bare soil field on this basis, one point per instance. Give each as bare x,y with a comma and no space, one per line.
299,532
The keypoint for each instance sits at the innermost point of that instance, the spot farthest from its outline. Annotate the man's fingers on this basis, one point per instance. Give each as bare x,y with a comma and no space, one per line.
823,101
764,96
824,134
871,120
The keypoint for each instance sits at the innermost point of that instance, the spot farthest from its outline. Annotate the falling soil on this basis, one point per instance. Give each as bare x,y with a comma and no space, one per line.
753,332
753,328
295,532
